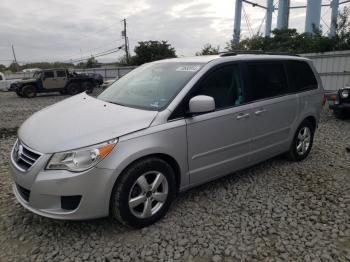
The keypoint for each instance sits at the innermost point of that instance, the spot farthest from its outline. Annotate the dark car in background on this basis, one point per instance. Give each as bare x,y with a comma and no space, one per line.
54,80
341,106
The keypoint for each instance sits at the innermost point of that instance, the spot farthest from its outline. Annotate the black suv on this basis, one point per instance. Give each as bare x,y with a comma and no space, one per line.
54,80
341,106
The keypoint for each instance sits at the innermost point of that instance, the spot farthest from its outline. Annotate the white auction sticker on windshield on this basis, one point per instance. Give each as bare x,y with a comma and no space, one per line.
189,68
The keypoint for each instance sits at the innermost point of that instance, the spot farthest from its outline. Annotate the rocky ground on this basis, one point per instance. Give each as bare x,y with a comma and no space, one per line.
275,211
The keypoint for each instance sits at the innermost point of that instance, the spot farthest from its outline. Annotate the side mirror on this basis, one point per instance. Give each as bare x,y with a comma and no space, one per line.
201,104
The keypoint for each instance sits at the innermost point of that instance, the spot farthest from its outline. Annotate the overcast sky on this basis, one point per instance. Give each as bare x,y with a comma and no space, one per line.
56,30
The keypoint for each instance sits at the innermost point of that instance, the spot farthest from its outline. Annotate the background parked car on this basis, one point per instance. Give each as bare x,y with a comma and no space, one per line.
5,83
54,80
341,106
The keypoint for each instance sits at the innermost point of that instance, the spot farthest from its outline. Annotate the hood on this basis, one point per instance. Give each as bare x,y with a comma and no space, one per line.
81,121
26,80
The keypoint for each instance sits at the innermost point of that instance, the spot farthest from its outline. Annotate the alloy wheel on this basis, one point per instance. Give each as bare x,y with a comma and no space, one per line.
148,194
304,140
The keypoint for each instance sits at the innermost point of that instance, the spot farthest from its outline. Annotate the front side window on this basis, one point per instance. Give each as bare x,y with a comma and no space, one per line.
224,85
48,74
0,77
301,76
151,86
266,80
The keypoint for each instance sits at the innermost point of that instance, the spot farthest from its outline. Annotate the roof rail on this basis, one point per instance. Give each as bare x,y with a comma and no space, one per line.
254,52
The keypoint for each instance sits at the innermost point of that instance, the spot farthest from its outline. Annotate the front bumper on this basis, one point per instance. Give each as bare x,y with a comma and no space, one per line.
45,189
340,107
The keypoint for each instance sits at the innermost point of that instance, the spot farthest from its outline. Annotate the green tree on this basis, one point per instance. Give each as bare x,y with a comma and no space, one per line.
149,51
14,67
208,49
2,68
91,62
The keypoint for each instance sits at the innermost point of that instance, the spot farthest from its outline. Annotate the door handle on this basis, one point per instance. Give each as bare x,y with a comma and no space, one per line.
259,112
242,116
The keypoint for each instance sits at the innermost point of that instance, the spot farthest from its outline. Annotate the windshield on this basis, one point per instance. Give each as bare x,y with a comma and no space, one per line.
151,86
37,75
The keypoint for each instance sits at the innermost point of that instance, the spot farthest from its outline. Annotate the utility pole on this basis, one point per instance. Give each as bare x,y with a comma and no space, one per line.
14,57
126,45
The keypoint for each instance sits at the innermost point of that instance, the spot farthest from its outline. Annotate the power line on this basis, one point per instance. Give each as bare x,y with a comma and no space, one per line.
107,52
247,22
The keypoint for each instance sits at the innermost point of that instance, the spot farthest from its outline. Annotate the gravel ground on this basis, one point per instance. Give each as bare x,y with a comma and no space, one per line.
274,211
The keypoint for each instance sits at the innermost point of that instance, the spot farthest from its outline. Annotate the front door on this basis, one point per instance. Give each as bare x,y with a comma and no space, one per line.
274,109
219,141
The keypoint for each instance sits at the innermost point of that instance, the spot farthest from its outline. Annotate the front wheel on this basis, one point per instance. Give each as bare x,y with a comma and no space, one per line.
88,87
19,93
302,142
29,91
73,89
144,193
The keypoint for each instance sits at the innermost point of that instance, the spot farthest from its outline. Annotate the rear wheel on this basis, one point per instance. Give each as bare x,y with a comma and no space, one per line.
29,91
144,193
73,89
302,141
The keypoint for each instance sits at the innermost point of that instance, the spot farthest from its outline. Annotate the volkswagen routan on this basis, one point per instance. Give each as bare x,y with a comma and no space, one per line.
163,128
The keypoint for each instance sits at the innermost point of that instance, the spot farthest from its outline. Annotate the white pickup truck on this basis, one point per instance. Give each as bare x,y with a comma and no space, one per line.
5,84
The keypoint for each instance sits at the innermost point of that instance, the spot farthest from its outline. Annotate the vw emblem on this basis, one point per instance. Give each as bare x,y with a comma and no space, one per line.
17,152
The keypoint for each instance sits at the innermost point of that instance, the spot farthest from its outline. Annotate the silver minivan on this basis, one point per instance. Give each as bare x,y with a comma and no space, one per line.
163,128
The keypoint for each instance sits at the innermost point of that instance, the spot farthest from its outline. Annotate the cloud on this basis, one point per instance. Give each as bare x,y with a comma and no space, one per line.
55,30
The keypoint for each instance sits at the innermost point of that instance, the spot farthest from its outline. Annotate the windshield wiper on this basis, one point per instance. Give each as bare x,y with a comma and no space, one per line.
115,103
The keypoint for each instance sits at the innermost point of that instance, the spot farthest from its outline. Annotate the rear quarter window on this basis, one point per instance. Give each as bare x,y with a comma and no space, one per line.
301,76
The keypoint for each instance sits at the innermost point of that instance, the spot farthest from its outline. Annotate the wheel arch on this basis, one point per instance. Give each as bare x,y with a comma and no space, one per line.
312,120
165,157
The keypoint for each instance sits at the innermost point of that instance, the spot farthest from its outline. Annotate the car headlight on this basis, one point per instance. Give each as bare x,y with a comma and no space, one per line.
344,93
81,159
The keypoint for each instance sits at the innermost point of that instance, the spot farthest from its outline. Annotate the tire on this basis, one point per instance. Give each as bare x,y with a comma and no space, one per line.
302,141
136,183
19,93
88,87
73,89
340,114
29,91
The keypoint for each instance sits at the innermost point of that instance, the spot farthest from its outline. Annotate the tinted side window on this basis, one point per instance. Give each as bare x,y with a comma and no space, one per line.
48,74
224,85
61,73
301,76
266,80
0,77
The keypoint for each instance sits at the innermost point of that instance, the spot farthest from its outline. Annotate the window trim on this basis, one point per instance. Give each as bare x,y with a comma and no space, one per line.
198,83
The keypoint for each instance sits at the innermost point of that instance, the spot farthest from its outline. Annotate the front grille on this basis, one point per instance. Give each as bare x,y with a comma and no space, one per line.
25,193
24,157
